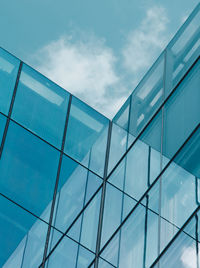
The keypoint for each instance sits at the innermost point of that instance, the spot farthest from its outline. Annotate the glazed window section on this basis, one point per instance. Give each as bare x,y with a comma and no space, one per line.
2,126
22,237
87,136
28,170
9,66
41,106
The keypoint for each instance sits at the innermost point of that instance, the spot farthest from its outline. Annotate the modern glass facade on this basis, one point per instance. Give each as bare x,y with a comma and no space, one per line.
78,190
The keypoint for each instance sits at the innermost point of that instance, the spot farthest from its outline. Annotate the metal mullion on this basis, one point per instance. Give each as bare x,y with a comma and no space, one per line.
10,109
82,215
197,238
103,193
123,192
24,252
56,183
145,231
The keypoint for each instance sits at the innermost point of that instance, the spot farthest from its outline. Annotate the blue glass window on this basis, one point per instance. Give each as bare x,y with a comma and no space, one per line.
28,170
86,136
41,106
20,231
9,66
76,186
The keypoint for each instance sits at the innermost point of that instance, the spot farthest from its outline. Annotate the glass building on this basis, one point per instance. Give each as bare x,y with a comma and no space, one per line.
78,190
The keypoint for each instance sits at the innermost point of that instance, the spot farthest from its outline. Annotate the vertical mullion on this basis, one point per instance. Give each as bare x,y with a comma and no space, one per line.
145,231
11,108
56,183
197,239
123,193
82,215
100,224
161,152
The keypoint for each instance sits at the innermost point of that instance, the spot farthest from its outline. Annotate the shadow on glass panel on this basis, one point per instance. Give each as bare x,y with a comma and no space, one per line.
9,66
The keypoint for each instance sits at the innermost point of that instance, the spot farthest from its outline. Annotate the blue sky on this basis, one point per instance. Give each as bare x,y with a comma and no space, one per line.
97,50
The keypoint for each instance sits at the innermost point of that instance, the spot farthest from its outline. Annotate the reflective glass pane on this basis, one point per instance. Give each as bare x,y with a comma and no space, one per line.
147,97
118,145
44,106
90,223
75,188
68,253
183,50
22,237
122,116
137,170
112,212
86,127
132,240
182,252
182,112
31,180
9,66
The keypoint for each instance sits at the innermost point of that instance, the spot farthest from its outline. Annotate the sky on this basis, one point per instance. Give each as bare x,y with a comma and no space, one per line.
97,50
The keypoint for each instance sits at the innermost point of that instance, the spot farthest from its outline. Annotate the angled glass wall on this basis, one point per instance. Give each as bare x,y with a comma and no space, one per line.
77,190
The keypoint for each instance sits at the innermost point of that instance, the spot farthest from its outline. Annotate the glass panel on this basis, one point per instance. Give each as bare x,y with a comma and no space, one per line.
183,50
147,97
122,116
112,212
179,187
86,127
90,223
111,251
44,106
31,180
104,264
182,253
118,145
182,112
137,170
68,253
84,258
76,186
19,231
9,66
132,240
64,255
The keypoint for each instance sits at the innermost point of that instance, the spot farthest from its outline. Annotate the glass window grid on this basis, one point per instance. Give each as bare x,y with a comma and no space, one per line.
141,202
13,120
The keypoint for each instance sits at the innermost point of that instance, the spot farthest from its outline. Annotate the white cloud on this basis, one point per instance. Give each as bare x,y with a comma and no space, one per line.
84,68
188,257
147,41
87,67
